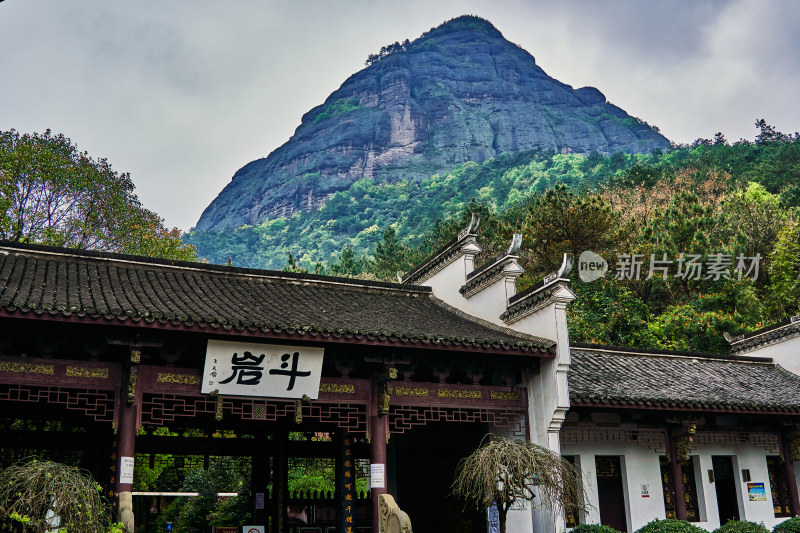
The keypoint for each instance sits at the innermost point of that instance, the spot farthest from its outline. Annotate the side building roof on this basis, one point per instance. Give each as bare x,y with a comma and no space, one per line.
623,377
85,286
766,336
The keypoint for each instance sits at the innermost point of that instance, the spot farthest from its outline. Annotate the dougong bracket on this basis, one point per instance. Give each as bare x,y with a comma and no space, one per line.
383,390
133,375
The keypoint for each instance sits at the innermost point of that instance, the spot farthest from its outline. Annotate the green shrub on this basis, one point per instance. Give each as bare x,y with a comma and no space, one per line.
791,525
593,528
670,525
741,526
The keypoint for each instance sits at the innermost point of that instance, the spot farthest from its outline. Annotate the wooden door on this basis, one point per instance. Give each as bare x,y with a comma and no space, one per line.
725,485
610,492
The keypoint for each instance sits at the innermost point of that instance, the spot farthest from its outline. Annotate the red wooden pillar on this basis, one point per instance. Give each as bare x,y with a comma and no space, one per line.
259,480
126,443
791,477
679,494
378,431
280,481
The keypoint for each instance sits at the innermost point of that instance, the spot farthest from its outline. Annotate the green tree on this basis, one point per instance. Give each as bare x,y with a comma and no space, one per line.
751,219
784,272
562,221
51,193
390,256
348,264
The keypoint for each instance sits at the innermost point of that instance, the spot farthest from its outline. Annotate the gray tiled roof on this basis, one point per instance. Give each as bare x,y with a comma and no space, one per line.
618,377
151,292
765,336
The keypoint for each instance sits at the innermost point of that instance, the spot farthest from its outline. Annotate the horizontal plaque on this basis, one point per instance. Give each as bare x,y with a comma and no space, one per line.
268,370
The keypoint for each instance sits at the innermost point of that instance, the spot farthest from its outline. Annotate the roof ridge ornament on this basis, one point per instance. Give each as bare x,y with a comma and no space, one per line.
516,243
730,339
564,269
474,222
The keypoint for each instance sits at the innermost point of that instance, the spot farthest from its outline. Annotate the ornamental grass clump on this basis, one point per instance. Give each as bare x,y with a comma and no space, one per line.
48,496
593,528
791,525
741,526
670,525
506,471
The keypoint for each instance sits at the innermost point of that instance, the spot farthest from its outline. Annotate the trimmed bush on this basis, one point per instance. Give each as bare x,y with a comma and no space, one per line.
670,525
791,525
593,528
741,526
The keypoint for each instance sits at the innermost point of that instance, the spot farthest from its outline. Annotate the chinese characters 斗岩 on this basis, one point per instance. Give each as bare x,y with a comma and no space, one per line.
247,369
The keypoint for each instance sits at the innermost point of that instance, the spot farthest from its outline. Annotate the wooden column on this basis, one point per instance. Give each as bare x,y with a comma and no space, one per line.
259,479
280,482
378,432
678,493
791,477
126,443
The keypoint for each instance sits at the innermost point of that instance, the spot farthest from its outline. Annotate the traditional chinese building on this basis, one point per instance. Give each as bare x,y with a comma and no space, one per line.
98,350
396,382
725,427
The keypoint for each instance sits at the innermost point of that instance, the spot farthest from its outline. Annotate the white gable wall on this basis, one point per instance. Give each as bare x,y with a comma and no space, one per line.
784,352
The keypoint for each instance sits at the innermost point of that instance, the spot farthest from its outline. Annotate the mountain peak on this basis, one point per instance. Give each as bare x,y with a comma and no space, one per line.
465,22
460,92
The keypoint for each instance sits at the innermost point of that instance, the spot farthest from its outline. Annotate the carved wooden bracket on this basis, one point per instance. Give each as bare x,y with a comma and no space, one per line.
794,449
684,438
218,404
383,390
133,375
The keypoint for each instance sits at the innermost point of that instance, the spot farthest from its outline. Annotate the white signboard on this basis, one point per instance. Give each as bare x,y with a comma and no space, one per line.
245,369
252,529
377,478
126,469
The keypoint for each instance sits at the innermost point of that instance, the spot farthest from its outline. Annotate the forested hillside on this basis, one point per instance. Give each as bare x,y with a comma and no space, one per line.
710,198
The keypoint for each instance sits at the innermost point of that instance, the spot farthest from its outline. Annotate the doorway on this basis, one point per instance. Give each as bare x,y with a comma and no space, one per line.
426,461
725,485
611,493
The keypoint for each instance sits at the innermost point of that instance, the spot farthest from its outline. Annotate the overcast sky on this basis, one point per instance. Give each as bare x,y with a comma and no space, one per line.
181,94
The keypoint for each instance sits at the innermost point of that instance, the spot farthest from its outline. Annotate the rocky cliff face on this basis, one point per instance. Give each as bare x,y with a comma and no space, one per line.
459,93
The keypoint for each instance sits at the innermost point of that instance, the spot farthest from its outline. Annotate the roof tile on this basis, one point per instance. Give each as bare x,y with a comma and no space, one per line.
605,376
92,285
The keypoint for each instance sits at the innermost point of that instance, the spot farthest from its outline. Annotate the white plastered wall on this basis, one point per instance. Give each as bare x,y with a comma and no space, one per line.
492,301
744,457
447,281
548,395
640,465
785,353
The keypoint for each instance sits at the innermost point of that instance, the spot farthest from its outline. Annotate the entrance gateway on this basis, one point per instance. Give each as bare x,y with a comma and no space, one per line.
109,350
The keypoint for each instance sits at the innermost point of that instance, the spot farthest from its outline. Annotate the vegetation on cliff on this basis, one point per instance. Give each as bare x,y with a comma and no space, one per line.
709,198
461,92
